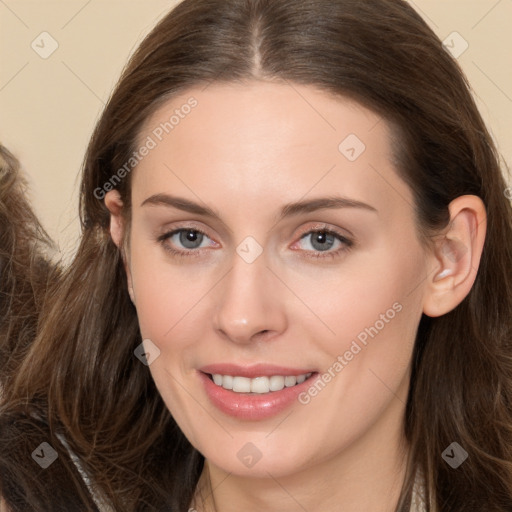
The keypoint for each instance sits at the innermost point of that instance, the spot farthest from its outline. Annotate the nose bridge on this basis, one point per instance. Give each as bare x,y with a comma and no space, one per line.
249,302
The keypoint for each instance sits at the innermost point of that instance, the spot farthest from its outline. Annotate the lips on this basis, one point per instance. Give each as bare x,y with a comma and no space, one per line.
260,391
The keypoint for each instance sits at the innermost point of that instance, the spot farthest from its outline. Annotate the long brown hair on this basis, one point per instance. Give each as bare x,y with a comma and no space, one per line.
26,267
81,378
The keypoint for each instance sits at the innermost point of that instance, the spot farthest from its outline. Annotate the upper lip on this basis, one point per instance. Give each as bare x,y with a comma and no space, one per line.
252,371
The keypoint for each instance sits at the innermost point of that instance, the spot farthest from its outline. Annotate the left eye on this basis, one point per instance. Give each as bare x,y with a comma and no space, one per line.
323,240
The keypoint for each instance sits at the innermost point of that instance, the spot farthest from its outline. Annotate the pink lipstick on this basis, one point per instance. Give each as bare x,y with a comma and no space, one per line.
254,392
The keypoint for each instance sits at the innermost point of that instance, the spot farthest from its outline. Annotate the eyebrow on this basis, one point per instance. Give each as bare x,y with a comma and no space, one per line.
288,210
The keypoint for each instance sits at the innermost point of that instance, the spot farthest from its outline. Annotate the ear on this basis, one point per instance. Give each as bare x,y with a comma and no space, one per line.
117,227
456,256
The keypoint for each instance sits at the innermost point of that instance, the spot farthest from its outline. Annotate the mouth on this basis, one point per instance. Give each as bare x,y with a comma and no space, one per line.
260,385
254,393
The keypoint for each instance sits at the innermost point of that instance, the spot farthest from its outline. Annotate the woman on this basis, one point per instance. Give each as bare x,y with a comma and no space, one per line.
375,375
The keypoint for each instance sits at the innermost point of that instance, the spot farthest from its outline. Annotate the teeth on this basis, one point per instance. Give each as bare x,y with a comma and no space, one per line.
290,381
241,384
226,382
258,385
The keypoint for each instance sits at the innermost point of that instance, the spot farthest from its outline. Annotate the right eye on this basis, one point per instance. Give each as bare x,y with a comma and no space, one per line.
190,238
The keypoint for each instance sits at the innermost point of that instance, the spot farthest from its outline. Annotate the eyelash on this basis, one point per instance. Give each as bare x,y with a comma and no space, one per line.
347,244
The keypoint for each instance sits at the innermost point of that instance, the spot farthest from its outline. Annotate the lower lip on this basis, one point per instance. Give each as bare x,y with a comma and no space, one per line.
252,406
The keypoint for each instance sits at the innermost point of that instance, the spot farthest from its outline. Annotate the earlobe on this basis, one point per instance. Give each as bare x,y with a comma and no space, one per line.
456,256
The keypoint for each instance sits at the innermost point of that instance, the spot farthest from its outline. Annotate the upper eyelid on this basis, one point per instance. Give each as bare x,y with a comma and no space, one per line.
318,226
325,227
187,225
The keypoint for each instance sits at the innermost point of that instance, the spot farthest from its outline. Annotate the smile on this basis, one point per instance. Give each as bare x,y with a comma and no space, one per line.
261,392
258,385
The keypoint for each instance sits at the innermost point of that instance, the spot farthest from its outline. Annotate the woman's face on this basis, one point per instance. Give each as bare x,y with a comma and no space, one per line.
298,255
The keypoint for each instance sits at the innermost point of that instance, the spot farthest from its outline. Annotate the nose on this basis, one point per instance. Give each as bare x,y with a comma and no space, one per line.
249,303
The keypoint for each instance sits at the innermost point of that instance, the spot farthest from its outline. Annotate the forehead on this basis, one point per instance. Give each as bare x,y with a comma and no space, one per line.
277,140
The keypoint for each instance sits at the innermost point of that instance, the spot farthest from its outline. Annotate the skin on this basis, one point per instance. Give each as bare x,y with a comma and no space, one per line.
245,151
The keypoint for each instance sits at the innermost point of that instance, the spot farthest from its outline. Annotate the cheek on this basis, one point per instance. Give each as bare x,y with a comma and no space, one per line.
371,293
166,293
366,362
372,311
168,300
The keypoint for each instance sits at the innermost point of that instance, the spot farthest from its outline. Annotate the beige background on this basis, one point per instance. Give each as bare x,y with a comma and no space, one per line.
48,107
